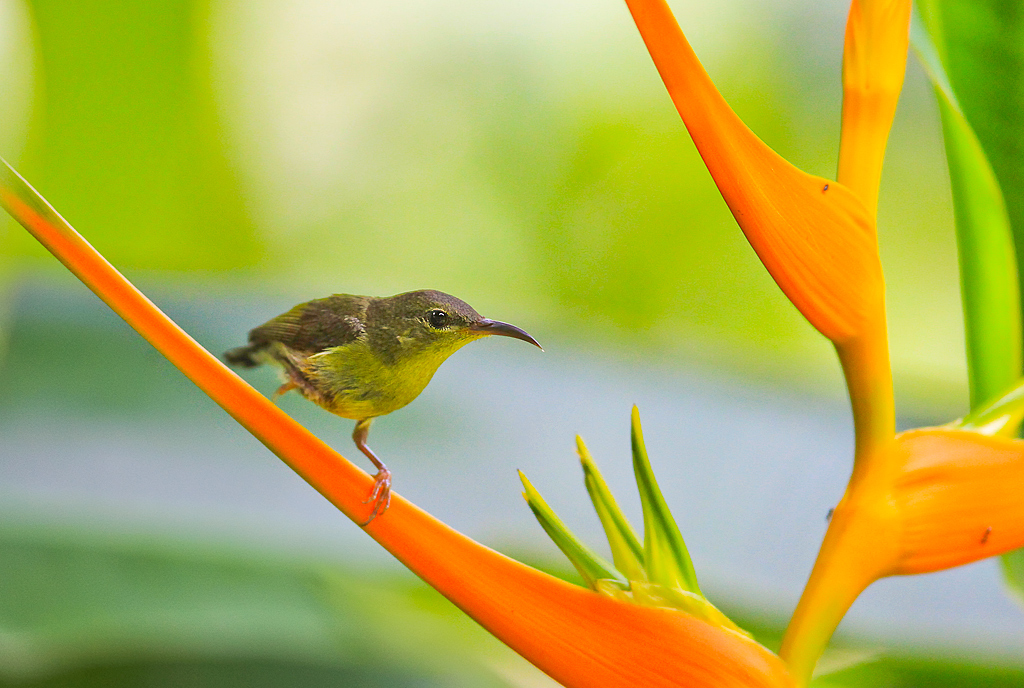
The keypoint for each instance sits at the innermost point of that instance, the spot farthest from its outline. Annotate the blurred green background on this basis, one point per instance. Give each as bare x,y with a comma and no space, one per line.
234,158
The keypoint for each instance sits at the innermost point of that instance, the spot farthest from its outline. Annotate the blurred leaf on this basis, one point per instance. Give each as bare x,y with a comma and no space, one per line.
981,45
81,608
126,140
68,600
6,307
635,210
592,567
16,78
255,672
665,555
920,671
627,552
988,268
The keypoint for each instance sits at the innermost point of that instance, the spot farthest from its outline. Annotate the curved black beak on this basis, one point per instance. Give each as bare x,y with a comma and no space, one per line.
486,326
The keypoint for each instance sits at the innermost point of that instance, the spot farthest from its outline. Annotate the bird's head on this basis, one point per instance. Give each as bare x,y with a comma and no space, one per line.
432,321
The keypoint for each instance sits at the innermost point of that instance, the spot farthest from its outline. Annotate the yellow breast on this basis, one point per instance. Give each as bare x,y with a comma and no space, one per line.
353,382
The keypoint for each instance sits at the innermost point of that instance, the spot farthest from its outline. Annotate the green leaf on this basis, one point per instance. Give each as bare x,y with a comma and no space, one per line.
666,558
592,567
627,552
981,43
988,265
129,140
66,601
75,600
79,607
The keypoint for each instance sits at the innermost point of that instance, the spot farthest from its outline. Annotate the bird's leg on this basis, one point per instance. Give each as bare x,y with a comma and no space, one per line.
381,495
285,388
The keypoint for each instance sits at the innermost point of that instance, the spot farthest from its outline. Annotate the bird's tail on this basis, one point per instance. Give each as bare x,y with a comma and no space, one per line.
243,356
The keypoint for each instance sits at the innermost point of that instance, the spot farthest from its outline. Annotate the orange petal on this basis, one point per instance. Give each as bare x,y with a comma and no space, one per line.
941,498
580,638
874,62
814,235
960,497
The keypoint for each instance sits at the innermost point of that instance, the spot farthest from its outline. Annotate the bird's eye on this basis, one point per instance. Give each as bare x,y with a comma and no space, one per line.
437,318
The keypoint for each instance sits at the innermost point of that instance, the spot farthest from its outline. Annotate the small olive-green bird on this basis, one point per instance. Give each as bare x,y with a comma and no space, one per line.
362,356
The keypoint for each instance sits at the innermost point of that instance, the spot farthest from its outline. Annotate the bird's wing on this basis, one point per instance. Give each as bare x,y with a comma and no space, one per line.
316,325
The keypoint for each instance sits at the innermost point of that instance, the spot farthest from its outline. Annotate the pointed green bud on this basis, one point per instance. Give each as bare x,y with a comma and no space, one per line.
666,558
627,552
592,567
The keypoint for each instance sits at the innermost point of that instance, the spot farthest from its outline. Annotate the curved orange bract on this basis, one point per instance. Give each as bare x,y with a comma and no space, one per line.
959,496
814,235
580,638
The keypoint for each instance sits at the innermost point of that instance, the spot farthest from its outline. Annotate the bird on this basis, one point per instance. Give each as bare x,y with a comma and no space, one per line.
361,357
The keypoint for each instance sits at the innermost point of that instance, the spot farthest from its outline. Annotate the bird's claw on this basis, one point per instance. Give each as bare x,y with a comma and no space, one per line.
380,496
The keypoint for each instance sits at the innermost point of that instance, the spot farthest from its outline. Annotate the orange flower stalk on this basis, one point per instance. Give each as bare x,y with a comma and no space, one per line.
874,62
580,638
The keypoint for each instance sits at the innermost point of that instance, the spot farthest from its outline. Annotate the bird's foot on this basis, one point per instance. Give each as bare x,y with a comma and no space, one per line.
284,389
381,495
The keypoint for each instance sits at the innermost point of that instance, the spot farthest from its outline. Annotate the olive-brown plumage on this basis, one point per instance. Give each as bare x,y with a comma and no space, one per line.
362,356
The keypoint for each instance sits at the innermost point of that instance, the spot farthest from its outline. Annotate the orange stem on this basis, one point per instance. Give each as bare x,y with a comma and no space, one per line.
860,545
874,62
865,362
